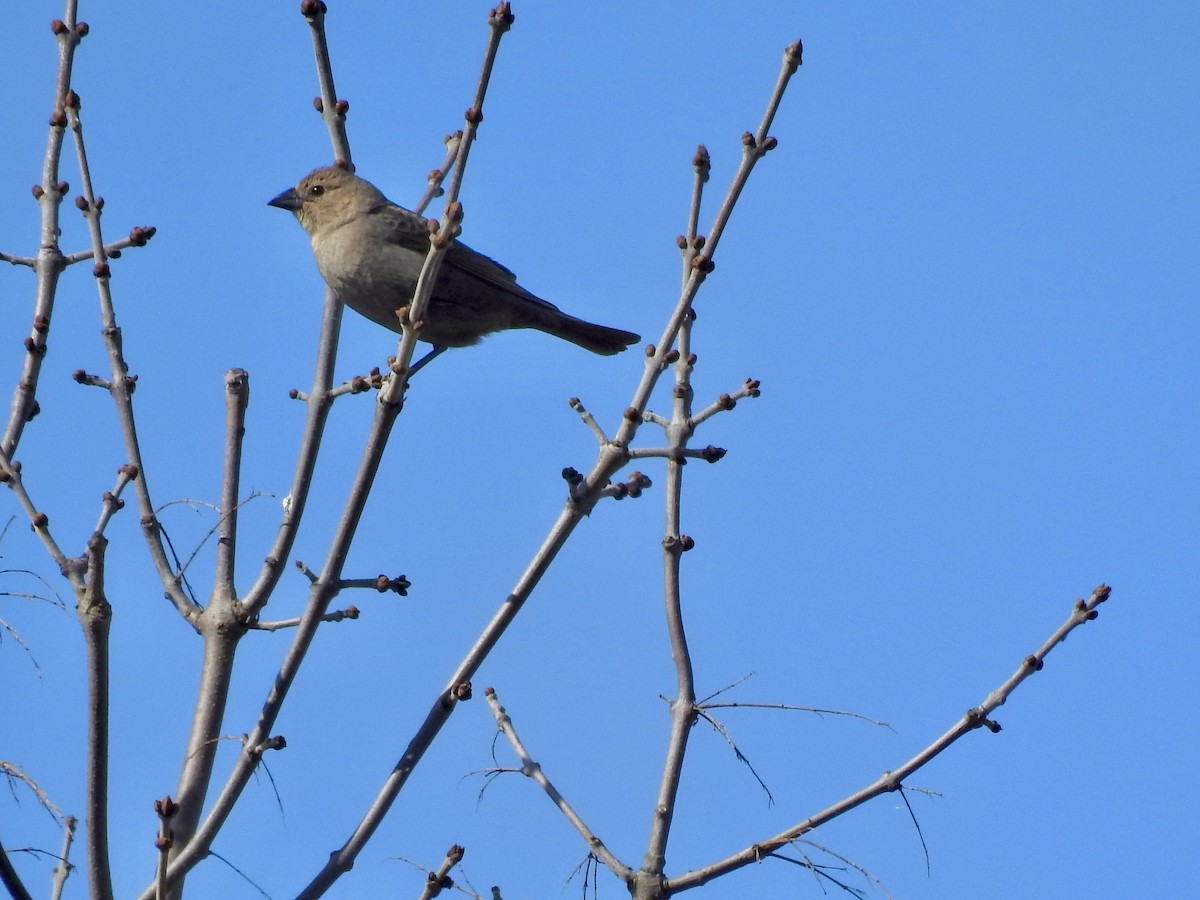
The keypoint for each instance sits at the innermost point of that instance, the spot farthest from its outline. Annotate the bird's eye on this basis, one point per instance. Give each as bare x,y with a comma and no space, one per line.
316,190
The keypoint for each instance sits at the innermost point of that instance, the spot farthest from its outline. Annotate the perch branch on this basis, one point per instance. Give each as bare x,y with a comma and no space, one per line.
333,111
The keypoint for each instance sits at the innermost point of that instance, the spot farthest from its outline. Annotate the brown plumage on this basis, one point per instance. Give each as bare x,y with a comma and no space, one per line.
370,252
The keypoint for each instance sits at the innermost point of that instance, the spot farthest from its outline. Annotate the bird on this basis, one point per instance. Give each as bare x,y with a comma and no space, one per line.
370,252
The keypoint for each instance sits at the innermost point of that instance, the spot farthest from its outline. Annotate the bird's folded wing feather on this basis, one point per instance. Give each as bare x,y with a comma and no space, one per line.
410,232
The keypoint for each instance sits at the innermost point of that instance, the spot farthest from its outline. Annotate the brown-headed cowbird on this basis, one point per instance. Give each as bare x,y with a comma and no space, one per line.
370,252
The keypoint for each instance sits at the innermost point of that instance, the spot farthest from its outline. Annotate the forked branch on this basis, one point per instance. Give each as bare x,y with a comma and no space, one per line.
976,717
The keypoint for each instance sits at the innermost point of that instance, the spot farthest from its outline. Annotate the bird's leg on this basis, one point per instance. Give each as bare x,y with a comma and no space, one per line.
424,360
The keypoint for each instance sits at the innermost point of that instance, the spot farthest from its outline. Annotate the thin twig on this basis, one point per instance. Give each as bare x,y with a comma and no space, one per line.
720,729
112,502
750,388
333,111
436,881
121,384
350,612
816,710
437,176
977,717
49,265
674,544
10,879
39,521
531,769
13,773
319,400
871,879
138,237
589,420
237,397
63,870
95,619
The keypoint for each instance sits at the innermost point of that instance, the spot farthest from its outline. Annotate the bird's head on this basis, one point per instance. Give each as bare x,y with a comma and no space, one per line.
328,198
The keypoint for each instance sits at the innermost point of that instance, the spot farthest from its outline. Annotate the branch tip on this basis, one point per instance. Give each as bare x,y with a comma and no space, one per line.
501,18
139,235
166,807
793,55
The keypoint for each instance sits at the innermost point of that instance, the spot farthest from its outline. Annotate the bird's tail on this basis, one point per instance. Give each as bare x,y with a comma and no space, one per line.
597,338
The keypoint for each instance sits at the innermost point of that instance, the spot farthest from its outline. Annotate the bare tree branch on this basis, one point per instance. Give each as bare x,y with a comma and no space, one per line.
1083,611
436,881
531,769
237,397
63,870
121,385
50,263
333,111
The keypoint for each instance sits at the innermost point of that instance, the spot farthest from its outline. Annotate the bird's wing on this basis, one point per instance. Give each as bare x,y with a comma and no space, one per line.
464,261
405,229
409,231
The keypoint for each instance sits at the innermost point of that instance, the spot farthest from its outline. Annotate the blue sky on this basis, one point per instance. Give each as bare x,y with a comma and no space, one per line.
967,279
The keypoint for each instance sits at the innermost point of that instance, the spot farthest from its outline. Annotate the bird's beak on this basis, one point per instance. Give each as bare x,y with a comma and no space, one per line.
288,200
